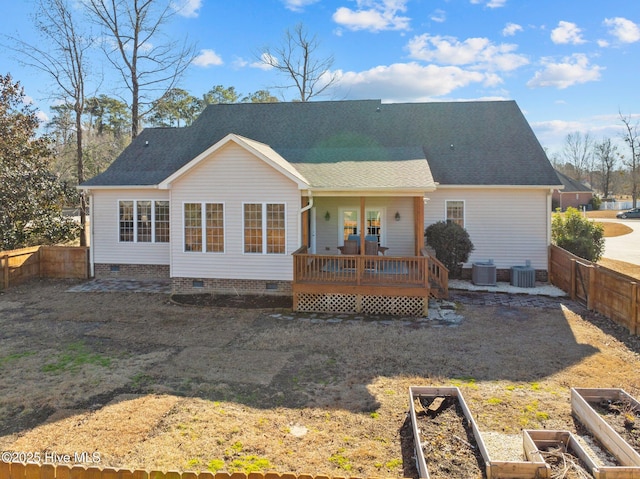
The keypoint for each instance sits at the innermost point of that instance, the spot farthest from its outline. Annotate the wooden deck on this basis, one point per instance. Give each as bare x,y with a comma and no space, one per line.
345,283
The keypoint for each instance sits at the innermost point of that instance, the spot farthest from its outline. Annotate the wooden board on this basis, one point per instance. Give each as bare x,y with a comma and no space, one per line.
609,438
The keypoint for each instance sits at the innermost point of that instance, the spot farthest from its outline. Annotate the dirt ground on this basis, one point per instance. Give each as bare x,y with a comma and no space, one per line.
137,381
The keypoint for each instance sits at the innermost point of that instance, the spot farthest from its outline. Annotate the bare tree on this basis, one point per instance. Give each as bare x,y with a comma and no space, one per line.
607,154
149,62
578,152
61,55
631,137
296,59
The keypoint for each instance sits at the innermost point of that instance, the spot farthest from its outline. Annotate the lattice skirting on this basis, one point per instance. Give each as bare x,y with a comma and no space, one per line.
358,303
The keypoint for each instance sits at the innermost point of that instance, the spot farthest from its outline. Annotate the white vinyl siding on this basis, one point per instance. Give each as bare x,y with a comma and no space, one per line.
106,239
397,235
508,226
235,177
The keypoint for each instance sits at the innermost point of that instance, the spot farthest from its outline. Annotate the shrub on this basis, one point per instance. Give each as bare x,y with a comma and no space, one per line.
595,202
578,235
451,243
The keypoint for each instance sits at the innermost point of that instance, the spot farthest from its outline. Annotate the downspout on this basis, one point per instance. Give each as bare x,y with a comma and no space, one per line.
302,211
92,272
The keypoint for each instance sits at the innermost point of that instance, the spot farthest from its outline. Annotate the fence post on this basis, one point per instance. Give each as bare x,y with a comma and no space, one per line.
572,279
5,271
634,324
591,301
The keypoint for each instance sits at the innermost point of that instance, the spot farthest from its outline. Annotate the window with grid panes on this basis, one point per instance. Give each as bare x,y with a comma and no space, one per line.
215,227
143,214
455,212
264,228
162,221
126,220
192,227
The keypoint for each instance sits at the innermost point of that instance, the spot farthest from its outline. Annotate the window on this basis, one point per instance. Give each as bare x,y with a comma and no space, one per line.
264,228
126,221
162,222
209,238
143,221
193,227
215,228
455,212
350,223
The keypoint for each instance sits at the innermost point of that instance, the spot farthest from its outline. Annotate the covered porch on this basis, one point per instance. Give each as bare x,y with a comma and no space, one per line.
383,283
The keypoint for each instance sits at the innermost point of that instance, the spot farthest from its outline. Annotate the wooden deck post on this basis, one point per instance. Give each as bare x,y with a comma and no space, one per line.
418,224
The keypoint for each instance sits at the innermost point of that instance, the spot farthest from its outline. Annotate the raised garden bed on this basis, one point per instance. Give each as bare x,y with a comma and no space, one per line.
447,439
603,412
561,451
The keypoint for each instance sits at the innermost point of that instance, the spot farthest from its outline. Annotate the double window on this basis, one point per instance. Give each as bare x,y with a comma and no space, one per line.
143,221
264,228
204,227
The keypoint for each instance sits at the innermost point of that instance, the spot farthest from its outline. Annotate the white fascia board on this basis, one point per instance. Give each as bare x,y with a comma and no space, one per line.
118,187
389,192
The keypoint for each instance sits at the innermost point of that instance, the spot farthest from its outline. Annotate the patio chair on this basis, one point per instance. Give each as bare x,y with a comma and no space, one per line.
350,247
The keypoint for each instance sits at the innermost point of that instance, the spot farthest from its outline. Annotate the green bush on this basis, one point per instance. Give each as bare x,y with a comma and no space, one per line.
578,235
595,202
451,243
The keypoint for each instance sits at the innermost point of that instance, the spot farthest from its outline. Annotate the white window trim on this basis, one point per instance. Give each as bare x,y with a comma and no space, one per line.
264,227
203,222
383,221
135,222
464,210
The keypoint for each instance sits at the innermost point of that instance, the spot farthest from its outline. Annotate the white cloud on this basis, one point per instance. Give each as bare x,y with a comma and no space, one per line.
438,16
490,3
624,30
42,116
603,43
570,71
476,52
265,63
406,81
187,8
298,5
510,29
567,32
373,15
207,58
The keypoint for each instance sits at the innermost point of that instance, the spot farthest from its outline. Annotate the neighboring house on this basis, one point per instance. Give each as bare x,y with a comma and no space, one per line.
574,194
257,198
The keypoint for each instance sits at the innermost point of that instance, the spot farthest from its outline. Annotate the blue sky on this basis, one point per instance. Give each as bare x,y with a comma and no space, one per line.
571,65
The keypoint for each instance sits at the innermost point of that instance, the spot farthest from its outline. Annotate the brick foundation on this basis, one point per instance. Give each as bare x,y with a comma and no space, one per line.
131,271
230,286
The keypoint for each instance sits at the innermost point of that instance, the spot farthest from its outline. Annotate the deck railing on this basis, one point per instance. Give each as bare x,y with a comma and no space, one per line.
403,271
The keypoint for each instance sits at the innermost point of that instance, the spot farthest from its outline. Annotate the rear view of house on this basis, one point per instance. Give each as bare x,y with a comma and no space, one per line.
327,201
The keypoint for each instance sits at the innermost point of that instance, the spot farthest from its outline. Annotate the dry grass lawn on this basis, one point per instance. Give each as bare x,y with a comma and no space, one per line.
149,384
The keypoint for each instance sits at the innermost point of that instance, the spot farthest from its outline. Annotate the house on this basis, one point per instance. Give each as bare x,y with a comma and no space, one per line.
574,194
257,198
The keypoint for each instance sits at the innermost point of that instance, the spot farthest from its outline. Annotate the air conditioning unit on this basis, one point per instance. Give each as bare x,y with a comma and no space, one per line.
523,276
483,273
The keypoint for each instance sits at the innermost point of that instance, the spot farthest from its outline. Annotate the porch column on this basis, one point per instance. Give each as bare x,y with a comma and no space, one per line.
362,224
305,222
418,224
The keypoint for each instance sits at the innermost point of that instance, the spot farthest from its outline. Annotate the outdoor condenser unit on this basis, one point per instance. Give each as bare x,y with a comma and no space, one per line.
484,273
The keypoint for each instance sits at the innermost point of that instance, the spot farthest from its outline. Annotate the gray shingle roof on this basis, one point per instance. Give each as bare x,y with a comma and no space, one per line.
464,143
571,185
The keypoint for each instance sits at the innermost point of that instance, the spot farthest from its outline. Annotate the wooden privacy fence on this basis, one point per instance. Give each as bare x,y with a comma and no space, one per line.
20,265
601,289
18,470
